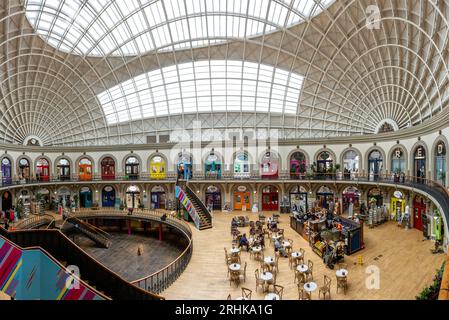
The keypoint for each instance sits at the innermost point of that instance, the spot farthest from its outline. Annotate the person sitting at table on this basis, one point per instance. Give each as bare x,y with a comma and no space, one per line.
234,222
243,242
278,247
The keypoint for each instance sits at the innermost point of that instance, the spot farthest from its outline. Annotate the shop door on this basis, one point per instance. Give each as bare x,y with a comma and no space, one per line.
419,211
6,201
158,200
108,199
241,200
270,201
213,198
86,199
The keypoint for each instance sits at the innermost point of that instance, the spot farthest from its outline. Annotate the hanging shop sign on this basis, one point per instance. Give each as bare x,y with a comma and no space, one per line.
441,149
241,188
213,189
157,189
108,189
420,153
398,153
85,189
398,194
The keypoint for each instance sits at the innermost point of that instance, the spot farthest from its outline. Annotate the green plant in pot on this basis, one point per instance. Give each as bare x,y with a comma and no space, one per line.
122,205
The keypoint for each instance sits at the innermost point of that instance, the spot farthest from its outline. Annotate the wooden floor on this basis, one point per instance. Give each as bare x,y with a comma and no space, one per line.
121,257
404,260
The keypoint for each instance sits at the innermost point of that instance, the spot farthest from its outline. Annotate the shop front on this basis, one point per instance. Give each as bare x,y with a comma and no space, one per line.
299,199
42,170
270,198
212,167
63,196
324,163
324,197
63,168
242,198
132,197
185,166
350,198
440,163
85,169
24,169
157,168
398,162
108,169
157,195
132,168
85,197
419,210
241,166
108,197
269,167
375,165
213,197
350,164
6,201
375,197
298,165
419,164
6,171
397,204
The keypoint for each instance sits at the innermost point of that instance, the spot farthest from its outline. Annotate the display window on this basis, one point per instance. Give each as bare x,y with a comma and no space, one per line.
85,169
397,205
24,169
108,169
212,167
440,163
241,166
269,167
42,170
185,166
132,168
157,168
298,165
6,171
420,164
375,165
213,197
63,169
299,199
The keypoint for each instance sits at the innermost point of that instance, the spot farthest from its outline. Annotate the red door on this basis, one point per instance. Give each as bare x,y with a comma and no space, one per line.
419,210
270,201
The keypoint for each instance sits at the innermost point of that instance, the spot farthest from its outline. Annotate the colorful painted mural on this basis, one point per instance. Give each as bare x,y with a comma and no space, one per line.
33,275
182,197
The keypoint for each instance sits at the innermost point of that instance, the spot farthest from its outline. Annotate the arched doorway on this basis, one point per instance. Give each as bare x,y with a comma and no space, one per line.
85,169
419,164
6,171
213,197
241,165
242,198
419,209
269,167
108,169
440,163
64,197
299,199
158,197
212,167
132,197
324,163
375,197
157,168
397,204
270,198
42,170
132,168
375,165
63,167
350,195
108,197
43,196
85,197
325,196
24,169
398,165
298,165
184,166
6,201
350,163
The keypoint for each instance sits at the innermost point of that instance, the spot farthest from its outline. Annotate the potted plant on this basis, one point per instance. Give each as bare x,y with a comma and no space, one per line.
122,205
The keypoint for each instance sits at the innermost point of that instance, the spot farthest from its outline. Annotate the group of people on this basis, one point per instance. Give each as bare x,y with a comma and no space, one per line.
257,240
8,217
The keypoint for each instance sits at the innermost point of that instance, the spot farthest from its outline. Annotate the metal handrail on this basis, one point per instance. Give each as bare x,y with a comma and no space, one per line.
163,278
30,223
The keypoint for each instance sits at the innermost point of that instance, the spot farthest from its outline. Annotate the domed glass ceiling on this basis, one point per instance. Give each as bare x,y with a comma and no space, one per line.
131,27
203,86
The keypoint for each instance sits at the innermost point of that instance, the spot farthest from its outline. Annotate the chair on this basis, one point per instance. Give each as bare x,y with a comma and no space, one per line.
342,265
300,277
290,261
246,293
242,272
309,273
251,224
303,295
276,261
279,290
227,257
272,282
235,278
259,281
301,258
326,288
342,283
229,297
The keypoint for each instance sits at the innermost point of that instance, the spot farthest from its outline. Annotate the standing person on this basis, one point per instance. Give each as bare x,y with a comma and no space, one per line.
350,209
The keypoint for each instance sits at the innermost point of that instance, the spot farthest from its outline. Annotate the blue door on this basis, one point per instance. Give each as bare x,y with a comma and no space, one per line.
108,197
86,198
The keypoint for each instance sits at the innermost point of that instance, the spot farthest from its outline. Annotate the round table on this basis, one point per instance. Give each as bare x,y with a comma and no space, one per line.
235,250
266,276
276,237
234,267
257,249
341,273
296,255
286,244
272,296
302,268
269,260
310,286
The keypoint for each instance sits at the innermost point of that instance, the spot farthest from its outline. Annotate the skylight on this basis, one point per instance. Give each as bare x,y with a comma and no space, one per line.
203,86
119,27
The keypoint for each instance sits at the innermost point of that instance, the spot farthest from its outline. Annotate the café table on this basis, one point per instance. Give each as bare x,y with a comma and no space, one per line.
266,276
302,268
272,296
269,260
235,250
296,255
341,273
310,287
234,267
286,244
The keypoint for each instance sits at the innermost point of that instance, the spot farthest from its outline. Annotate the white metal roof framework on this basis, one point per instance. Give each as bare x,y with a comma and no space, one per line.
355,77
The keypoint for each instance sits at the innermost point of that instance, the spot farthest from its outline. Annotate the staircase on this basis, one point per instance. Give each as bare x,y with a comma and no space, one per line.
200,208
95,234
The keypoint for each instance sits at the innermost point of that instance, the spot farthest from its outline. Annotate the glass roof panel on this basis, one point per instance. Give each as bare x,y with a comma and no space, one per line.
190,88
117,27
